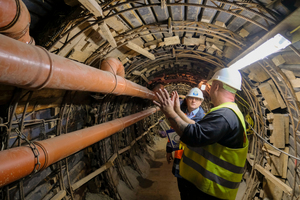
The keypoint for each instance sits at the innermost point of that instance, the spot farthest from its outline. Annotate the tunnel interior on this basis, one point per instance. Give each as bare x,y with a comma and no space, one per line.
175,44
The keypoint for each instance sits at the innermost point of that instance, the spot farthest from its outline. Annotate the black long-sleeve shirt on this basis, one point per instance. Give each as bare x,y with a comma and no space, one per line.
221,126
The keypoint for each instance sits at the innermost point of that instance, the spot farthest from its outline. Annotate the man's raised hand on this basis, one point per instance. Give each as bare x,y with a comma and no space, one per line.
166,104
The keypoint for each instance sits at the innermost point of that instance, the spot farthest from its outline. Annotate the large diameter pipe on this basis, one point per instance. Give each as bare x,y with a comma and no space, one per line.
113,65
15,20
32,67
19,162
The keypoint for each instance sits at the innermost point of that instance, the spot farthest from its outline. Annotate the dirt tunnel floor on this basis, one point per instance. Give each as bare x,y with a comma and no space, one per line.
160,184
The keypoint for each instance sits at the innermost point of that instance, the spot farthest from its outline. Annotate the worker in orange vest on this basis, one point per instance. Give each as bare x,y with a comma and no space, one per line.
191,106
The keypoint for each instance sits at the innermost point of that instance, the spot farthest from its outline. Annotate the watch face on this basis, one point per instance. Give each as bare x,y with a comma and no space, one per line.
177,138
174,139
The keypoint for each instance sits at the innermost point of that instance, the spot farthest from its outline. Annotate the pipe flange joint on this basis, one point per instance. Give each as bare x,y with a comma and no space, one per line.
16,18
50,70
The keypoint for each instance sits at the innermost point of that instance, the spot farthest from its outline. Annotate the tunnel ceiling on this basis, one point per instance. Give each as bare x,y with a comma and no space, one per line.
163,41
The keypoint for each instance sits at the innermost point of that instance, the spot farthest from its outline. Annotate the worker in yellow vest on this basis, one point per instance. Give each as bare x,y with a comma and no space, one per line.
191,106
215,148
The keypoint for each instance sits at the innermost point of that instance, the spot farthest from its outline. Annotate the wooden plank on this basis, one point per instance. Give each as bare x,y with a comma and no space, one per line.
40,105
116,53
278,134
271,150
138,41
243,33
250,161
140,50
294,68
145,78
285,196
218,48
278,60
230,52
261,194
277,94
106,33
66,50
148,36
276,165
219,54
87,45
116,24
191,41
269,95
153,42
257,73
284,160
161,44
172,40
268,159
270,117
281,186
202,39
124,149
271,190
210,50
215,41
298,96
95,173
201,47
287,128
93,7
221,24
61,194
289,74
295,83
80,56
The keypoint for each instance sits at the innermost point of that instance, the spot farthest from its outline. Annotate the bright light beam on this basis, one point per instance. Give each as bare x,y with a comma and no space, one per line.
271,46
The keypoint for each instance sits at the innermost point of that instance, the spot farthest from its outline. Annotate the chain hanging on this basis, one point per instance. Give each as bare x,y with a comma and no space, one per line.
33,148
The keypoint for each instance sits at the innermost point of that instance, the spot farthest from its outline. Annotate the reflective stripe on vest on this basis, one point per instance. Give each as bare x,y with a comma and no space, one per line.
215,169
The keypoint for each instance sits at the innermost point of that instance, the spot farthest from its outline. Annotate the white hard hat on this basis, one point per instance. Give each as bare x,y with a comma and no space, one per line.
195,92
230,77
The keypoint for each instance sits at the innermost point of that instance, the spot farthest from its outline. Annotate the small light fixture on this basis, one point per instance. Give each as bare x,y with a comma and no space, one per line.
271,46
203,87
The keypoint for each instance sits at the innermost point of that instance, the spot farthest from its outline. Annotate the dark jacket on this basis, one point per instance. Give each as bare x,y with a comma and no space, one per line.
199,115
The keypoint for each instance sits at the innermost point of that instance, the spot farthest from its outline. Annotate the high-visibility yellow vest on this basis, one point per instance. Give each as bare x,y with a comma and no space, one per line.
215,169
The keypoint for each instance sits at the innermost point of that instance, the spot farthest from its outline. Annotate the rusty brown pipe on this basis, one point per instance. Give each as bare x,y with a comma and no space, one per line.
15,20
19,162
32,67
158,87
113,65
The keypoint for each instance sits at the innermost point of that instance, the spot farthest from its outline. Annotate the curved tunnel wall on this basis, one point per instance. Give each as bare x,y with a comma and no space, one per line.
49,113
